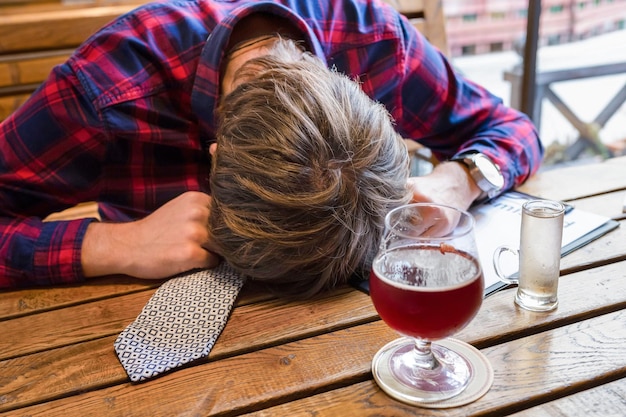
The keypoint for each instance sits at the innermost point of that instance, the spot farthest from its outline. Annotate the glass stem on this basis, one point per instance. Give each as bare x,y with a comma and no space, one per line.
423,355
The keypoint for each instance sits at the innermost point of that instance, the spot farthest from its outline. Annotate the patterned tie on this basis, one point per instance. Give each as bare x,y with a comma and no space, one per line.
180,323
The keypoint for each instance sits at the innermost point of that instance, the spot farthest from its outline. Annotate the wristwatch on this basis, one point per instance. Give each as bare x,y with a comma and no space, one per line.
484,172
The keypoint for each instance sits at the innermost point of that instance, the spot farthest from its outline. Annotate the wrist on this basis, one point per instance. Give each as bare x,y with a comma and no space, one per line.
103,251
483,173
455,186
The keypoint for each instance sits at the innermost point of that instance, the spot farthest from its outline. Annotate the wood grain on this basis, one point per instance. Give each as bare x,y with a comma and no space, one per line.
62,327
20,69
9,104
52,329
527,371
608,400
46,375
29,29
18,303
268,323
611,248
609,205
578,181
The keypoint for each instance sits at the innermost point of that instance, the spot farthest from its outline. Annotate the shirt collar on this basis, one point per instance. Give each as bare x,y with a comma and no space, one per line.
205,94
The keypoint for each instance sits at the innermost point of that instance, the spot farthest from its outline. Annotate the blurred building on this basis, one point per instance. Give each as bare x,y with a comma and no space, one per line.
481,26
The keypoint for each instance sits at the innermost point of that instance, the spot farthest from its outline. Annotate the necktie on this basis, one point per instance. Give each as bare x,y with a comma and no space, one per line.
180,323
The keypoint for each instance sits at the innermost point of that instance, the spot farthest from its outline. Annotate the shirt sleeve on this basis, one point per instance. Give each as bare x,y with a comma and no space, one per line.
50,150
450,114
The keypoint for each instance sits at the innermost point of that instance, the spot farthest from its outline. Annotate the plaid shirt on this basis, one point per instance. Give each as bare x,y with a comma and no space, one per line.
127,120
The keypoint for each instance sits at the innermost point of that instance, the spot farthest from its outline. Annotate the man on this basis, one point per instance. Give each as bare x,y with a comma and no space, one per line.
303,171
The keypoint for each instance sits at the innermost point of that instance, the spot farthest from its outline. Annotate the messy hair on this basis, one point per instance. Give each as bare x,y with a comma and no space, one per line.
306,167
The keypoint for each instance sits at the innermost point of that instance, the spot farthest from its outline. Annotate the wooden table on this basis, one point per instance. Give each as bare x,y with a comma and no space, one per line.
281,358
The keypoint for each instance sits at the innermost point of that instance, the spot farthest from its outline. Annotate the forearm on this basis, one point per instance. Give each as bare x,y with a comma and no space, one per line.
511,141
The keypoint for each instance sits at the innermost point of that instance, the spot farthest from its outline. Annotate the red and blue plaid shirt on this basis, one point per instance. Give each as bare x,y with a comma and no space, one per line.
126,121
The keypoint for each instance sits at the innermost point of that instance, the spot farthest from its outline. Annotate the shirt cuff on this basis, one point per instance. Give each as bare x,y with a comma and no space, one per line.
57,255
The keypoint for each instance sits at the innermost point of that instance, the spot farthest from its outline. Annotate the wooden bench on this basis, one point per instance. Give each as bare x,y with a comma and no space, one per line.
428,17
36,35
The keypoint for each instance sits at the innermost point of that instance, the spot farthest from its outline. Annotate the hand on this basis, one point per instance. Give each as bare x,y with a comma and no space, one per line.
173,239
449,184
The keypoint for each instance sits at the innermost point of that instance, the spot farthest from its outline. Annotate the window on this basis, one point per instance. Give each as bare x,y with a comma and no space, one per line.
470,17
556,9
496,47
468,49
554,39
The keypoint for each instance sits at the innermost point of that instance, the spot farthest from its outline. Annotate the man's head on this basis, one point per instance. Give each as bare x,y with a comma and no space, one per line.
305,170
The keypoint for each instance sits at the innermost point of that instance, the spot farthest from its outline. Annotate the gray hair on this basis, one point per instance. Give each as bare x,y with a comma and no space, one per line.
306,168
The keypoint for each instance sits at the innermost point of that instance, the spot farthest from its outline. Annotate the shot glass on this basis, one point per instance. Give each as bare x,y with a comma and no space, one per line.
539,255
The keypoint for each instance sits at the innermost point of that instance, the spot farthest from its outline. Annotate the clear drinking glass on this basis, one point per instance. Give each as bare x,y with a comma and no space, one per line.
539,255
427,284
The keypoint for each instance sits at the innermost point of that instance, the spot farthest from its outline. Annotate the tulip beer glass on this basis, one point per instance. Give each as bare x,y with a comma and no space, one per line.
427,284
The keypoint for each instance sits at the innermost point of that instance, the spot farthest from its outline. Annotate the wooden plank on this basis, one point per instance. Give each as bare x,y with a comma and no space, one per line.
250,327
57,328
608,400
609,205
83,322
427,17
499,319
79,211
102,318
408,7
22,302
54,29
578,181
524,375
30,301
581,355
28,379
547,77
435,25
25,302
30,68
55,373
9,104
610,248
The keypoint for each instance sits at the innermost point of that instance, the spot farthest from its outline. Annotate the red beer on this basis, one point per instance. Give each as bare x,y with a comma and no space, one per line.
426,292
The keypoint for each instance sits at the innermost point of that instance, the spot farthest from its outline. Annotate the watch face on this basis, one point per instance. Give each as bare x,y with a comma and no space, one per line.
490,171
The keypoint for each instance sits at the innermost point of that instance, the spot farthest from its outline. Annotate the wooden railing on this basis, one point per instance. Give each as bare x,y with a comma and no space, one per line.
589,132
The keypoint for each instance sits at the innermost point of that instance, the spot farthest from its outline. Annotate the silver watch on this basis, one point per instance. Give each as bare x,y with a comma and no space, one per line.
484,172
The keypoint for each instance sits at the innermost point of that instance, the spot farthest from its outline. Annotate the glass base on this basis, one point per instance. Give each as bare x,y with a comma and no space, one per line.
396,370
529,301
